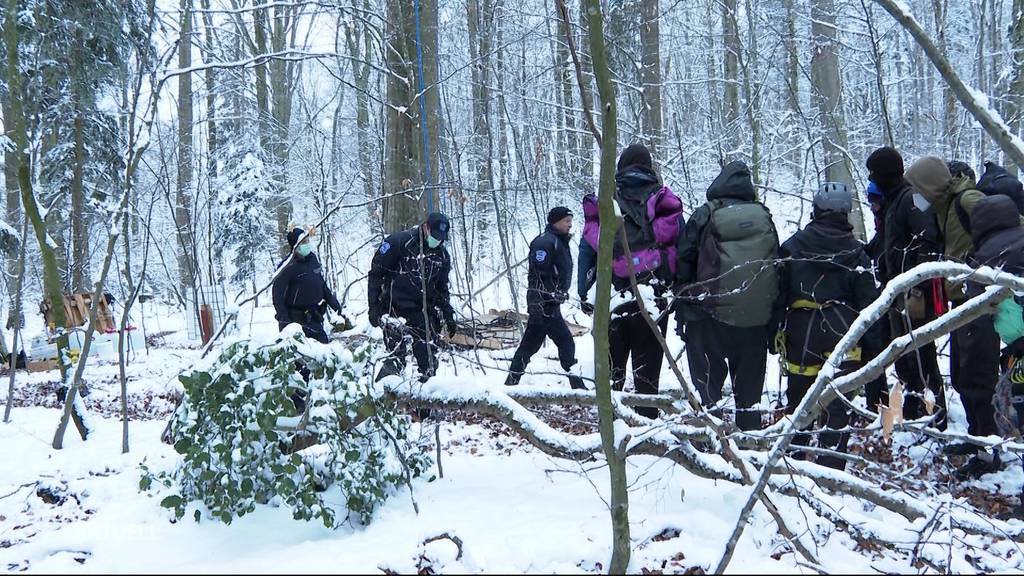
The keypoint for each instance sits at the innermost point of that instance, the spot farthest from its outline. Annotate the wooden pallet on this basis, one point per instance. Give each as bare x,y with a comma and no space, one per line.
497,330
76,312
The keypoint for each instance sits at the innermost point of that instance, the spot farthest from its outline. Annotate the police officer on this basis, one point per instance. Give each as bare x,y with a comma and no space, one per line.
300,293
548,281
409,280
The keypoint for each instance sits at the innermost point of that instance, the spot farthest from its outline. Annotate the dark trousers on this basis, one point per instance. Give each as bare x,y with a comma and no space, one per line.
876,391
974,371
539,327
714,349
629,335
918,369
835,417
397,339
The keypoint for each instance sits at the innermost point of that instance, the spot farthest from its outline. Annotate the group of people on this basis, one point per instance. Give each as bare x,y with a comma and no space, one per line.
737,293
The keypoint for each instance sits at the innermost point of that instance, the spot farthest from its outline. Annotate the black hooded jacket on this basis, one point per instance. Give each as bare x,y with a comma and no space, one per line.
998,235
824,263
996,180
911,236
396,281
732,186
550,272
301,288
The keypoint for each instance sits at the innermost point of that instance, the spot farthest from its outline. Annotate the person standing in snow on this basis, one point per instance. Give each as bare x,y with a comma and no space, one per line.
998,239
300,293
588,253
651,219
548,281
911,237
727,283
876,391
825,281
408,281
974,348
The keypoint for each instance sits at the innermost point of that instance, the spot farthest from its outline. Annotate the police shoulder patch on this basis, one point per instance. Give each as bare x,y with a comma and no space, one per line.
385,247
540,255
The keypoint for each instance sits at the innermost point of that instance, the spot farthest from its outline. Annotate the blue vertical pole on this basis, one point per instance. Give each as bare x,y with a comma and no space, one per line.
423,108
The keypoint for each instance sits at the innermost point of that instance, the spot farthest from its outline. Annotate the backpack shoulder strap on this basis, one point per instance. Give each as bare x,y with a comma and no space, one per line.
961,213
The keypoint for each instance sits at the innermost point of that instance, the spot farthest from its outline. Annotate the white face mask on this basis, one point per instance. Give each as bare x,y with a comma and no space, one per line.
432,242
304,250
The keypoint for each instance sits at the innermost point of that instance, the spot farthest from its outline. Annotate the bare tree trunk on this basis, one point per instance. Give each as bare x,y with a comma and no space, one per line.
478,22
51,274
650,75
619,563
281,84
950,134
1015,95
828,92
183,193
357,38
883,100
731,37
403,141
79,226
16,312
792,76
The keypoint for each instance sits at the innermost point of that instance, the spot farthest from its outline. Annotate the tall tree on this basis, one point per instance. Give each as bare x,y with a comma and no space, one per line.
619,563
828,94
650,75
183,191
412,112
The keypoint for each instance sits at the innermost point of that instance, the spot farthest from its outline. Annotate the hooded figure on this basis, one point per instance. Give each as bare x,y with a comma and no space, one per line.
825,281
727,286
974,348
300,293
996,180
911,237
651,215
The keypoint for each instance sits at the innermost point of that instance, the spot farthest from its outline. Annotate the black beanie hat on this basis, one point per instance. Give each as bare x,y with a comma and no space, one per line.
958,168
294,235
558,213
635,155
886,166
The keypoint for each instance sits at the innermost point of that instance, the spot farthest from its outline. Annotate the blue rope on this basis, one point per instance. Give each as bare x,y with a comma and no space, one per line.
423,107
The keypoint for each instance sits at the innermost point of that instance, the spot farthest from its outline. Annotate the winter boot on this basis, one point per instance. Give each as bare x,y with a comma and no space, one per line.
575,375
979,465
513,379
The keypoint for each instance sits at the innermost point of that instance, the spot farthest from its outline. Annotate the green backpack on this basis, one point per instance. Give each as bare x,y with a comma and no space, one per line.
736,266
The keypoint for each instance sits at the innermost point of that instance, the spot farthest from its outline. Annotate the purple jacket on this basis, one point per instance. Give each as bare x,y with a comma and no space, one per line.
664,212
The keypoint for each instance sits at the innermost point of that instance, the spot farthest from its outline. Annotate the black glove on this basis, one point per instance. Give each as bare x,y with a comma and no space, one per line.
561,297
450,325
587,307
375,315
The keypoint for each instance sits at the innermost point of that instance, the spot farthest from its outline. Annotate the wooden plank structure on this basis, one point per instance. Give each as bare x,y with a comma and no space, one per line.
496,330
76,313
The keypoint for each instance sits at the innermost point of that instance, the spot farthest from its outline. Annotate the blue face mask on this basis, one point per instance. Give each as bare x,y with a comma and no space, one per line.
432,242
304,250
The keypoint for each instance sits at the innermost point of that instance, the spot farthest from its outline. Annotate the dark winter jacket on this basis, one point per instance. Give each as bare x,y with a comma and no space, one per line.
550,273
651,218
996,180
911,236
301,294
402,268
588,247
825,281
732,186
999,243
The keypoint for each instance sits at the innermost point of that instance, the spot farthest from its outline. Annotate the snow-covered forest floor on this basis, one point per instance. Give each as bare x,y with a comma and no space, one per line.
511,507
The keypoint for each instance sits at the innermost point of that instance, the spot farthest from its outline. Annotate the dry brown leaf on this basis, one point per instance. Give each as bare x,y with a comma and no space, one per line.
929,401
887,418
896,403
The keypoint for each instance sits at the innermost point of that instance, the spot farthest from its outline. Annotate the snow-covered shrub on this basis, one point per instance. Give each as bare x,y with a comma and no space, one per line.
236,424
